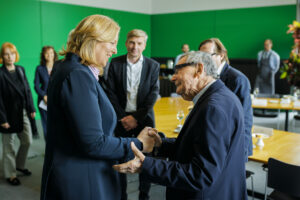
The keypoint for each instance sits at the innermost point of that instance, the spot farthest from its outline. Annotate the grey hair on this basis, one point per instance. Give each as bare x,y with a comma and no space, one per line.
200,57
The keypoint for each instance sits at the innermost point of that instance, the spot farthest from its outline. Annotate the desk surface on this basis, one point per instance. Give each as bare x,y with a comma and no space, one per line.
165,110
284,146
272,104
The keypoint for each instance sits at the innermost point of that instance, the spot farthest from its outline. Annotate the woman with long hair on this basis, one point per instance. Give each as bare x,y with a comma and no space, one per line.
41,80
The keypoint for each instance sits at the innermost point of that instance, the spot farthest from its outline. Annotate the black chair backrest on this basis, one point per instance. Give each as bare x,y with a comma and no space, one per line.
265,95
284,177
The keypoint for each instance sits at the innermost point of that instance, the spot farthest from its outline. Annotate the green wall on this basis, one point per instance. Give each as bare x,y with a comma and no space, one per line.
31,24
242,31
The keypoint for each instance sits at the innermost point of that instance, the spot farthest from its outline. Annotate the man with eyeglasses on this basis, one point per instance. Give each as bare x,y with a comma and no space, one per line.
236,81
206,161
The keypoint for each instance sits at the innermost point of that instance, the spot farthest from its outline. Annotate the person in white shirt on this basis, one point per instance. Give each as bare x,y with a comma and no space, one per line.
133,88
184,48
268,62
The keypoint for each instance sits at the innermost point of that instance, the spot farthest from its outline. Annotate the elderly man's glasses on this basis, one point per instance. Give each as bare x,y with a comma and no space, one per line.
177,67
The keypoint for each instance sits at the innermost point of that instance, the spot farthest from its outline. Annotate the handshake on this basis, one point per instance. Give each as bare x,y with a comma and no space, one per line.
150,139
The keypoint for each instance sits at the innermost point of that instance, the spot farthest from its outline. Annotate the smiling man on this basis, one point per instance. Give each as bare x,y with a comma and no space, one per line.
133,88
206,161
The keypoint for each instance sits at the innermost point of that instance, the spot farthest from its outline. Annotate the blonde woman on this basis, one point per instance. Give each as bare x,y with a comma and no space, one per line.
81,149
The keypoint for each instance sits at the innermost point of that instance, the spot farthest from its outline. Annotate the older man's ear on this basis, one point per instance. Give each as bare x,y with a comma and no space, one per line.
199,69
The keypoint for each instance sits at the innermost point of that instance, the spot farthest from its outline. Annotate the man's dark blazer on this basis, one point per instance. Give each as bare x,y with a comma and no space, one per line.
80,148
206,161
12,100
147,92
239,84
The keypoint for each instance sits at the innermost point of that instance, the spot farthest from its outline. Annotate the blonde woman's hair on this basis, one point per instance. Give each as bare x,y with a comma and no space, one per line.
137,33
91,30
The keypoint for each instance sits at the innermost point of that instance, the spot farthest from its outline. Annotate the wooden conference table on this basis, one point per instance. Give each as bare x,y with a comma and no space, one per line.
282,145
274,104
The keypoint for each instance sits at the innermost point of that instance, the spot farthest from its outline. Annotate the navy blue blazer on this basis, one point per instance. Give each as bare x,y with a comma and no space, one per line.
239,84
81,149
147,92
41,80
206,161
12,100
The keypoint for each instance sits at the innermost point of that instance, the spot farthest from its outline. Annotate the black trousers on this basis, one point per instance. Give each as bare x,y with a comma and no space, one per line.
144,185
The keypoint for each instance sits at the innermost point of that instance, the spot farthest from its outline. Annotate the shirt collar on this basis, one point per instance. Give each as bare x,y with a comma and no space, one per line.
197,97
95,72
139,61
221,67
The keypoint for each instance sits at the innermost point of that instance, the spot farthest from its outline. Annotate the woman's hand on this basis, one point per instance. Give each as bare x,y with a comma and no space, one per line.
5,125
45,99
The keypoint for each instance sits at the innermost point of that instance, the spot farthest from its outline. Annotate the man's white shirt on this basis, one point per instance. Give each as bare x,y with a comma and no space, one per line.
133,81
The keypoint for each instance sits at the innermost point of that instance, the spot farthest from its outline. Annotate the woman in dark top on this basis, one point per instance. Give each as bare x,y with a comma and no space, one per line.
42,74
16,107
80,147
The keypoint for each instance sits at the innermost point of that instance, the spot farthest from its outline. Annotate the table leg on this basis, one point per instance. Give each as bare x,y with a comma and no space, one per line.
286,125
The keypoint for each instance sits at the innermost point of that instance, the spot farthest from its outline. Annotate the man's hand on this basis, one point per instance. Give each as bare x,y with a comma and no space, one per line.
132,166
5,125
147,140
154,133
32,115
129,122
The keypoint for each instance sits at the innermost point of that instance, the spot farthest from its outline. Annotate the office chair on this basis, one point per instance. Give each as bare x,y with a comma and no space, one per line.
284,178
250,174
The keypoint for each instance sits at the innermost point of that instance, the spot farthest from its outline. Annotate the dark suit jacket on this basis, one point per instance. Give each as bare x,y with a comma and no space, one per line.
147,92
11,100
239,84
80,149
41,80
206,161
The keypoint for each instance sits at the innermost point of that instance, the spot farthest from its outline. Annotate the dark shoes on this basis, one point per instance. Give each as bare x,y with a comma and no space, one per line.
15,181
26,172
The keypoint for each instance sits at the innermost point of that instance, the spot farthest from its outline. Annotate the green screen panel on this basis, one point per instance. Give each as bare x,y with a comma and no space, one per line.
59,19
242,31
20,25
170,31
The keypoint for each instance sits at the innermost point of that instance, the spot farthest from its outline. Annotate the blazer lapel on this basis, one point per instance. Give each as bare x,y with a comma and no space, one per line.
224,72
9,80
124,74
143,78
215,86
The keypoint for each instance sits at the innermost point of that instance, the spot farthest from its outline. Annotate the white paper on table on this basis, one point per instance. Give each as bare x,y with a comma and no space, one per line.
260,130
285,101
260,102
43,105
297,104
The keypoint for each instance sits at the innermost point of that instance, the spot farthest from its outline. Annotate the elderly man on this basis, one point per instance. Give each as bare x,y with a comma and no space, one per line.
236,81
206,161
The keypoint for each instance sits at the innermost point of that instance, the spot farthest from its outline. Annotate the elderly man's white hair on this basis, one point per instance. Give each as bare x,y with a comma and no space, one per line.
205,59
